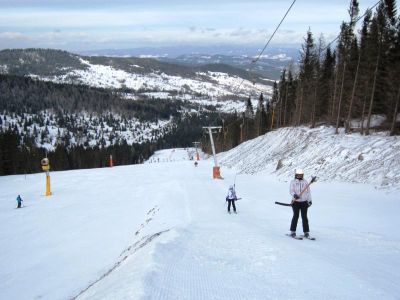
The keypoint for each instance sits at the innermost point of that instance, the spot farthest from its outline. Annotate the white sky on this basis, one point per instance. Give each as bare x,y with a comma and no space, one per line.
99,24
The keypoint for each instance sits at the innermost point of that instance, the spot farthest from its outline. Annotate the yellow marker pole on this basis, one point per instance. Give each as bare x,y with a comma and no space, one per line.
46,167
48,192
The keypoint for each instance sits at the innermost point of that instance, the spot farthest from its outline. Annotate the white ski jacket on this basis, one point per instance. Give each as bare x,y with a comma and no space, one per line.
231,195
296,186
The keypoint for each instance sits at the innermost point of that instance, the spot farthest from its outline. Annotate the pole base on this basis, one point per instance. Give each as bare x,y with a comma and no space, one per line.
48,193
216,173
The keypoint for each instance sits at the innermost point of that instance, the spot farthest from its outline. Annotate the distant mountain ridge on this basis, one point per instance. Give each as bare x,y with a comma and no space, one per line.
79,109
217,84
82,108
46,62
270,65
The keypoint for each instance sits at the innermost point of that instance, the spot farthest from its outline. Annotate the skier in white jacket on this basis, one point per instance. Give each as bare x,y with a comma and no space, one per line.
231,198
300,203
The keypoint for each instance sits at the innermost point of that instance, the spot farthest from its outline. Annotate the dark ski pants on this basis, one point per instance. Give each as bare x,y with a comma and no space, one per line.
297,208
19,205
233,204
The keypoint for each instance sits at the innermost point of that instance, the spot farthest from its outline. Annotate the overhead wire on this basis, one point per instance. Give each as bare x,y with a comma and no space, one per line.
355,22
254,61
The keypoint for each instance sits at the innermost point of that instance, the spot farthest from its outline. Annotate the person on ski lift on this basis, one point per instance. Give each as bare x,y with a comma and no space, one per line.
301,194
231,198
19,201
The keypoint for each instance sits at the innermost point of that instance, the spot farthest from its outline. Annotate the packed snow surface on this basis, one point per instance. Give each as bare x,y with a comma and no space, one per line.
160,230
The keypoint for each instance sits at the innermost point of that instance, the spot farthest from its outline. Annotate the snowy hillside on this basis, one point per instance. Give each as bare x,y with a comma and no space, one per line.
211,86
218,85
161,231
373,159
89,130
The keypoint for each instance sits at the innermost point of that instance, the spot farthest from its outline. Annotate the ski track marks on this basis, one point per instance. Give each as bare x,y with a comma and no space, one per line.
164,233
124,255
132,249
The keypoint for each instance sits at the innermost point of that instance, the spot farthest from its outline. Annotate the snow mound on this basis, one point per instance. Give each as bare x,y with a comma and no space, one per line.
373,159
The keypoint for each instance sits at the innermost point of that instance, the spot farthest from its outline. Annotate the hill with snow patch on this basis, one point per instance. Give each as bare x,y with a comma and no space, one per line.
373,159
218,85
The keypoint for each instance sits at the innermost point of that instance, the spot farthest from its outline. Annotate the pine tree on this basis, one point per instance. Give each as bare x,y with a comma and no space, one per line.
261,117
283,92
249,112
307,80
326,81
290,100
271,108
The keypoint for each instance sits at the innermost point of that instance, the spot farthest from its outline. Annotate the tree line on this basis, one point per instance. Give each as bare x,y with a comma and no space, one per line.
353,81
30,104
19,154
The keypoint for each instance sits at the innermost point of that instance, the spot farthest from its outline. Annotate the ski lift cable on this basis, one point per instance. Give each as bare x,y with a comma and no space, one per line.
254,61
259,56
355,22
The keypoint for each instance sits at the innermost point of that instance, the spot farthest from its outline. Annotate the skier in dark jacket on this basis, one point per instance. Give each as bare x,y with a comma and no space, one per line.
231,198
19,201
300,203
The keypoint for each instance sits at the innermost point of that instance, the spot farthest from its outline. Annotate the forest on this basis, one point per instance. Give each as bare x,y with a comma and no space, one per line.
343,83
342,86
30,108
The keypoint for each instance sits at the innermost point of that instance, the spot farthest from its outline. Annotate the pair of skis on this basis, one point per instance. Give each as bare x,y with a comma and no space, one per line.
301,237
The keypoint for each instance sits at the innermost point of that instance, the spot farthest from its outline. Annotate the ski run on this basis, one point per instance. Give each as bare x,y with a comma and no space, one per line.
161,230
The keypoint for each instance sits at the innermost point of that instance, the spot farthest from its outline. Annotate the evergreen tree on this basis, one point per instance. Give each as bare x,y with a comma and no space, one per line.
325,90
272,106
290,102
307,80
249,112
260,121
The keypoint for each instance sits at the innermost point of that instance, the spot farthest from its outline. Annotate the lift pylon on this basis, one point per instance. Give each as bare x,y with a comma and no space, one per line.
216,168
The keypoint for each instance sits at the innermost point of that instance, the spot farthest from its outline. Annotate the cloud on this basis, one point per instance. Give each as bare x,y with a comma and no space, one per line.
12,36
241,32
100,23
88,40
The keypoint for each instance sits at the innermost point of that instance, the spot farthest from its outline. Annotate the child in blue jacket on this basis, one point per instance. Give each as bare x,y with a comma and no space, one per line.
19,201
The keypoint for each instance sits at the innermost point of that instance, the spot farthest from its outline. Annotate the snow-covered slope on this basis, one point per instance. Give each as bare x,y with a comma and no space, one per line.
207,86
373,159
161,231
89,130
219,85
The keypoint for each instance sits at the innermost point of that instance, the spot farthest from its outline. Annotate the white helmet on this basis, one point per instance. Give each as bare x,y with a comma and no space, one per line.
299,174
